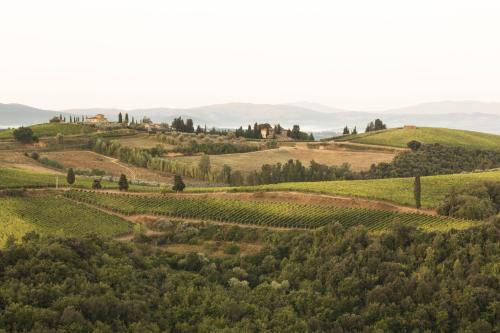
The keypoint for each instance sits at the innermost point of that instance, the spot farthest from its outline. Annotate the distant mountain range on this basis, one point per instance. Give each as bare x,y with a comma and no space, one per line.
470,115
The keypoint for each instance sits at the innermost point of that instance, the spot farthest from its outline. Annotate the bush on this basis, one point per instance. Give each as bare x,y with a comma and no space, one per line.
232,249
50,163
89,172
34,155
24,135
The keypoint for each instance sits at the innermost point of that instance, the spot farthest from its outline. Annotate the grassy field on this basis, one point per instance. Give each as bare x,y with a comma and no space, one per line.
248,162
399,137
17,178
268,214
51,214
52,129
397,190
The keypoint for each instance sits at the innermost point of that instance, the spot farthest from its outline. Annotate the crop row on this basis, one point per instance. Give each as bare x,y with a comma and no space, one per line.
263,213
49,214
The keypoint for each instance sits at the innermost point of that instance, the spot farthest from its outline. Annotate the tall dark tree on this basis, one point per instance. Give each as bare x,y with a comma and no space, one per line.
120,120
346,130
178,184
295,133
126,118
417,191
123,183
70,177
354,131
189,126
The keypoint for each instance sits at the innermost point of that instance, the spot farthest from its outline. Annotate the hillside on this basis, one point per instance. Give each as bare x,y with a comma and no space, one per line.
477,116
14,115
399,137
396,190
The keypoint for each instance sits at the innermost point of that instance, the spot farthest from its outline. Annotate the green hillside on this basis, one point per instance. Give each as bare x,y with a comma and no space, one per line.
399,137
52,129
397,190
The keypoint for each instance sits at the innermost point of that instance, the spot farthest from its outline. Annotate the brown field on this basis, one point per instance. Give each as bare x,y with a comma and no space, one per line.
246,162
17,160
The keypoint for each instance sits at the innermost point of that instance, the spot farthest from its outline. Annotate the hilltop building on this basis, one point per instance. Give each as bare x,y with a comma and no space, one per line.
98,118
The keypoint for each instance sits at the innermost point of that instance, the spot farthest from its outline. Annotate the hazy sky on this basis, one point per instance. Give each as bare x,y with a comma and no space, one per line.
363,55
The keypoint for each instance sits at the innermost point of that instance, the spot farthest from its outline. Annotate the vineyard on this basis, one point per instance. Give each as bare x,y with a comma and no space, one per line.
262,213
55,215
397,190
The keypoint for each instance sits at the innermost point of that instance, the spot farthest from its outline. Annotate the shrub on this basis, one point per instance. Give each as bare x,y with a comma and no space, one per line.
232,249
50,163
34,155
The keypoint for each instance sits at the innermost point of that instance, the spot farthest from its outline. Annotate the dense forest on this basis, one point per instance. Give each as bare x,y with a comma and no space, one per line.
332,280
434,159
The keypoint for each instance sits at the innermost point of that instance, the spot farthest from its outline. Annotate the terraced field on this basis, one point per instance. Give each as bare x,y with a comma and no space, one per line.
262,213
51,214
397,190
399,137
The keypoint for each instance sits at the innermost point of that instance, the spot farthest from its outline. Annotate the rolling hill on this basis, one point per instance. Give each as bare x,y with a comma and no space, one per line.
312,117
399,137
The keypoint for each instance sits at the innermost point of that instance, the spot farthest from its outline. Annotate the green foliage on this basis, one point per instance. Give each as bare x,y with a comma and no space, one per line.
24,135
414,145
51,163
474,201
435,159
204,164
334,280
215,148
89,172
418,192
70,177
399,137
295,171
272,214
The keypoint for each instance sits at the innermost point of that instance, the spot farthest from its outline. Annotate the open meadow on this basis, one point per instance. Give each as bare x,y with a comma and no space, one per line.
399,137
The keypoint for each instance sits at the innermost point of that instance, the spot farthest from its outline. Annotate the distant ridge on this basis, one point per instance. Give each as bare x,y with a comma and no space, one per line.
469,115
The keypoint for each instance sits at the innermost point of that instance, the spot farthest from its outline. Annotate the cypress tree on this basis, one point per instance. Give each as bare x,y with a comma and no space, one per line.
123,183
120,120
70,177
417,191
178,184
126,118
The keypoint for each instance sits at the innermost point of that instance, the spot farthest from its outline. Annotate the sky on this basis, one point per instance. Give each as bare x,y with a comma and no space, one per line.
357,54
